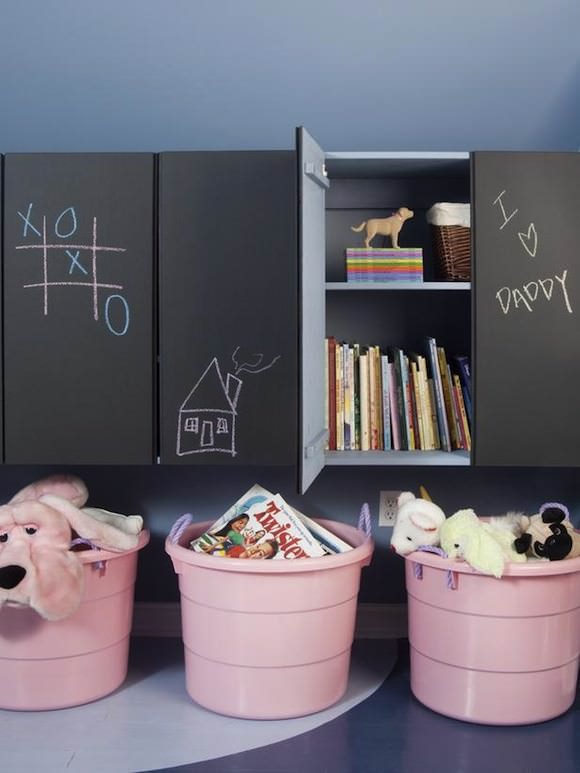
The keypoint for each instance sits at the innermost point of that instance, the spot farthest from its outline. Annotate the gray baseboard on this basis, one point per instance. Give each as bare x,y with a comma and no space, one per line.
374,621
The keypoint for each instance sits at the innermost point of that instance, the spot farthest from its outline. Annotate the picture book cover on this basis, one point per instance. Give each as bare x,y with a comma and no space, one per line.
260,525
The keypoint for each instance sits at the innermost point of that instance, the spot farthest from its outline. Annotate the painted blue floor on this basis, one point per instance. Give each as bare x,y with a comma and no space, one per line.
151,724
391,732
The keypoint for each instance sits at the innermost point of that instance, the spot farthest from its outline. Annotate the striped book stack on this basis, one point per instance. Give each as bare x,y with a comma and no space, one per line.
384,265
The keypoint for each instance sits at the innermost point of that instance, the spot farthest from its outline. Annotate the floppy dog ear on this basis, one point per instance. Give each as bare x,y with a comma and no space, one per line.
100,533
68,487
57,587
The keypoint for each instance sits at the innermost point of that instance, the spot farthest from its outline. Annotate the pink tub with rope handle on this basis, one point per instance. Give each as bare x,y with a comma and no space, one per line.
57,664
268,639
495,651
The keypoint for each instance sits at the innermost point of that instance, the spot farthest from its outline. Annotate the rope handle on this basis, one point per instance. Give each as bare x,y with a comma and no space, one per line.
179,527
364,520
98,565
451,576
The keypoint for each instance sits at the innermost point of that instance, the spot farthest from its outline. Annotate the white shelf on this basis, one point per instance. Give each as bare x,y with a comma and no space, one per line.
398,285
398,458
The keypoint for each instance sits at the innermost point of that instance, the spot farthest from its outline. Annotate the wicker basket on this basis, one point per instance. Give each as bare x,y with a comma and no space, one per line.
453,252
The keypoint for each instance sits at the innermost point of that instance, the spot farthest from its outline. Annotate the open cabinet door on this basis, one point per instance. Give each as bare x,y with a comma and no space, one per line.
312,186
527,302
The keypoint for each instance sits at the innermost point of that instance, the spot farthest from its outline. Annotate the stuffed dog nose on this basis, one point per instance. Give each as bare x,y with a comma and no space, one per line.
11,575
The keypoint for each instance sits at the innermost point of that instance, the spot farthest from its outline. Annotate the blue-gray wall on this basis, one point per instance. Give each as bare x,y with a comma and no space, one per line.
368,75
233,74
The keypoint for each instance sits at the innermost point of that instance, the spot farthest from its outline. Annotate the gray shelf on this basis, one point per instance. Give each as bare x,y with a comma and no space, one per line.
397,164
398,458
398,286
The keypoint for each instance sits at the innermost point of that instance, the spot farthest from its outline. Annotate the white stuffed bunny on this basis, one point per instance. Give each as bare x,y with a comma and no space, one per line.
417,523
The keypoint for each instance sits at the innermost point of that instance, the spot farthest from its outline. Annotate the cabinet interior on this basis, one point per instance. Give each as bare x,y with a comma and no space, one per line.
366,185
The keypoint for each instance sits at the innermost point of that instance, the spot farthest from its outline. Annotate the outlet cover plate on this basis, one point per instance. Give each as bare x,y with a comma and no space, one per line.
388,507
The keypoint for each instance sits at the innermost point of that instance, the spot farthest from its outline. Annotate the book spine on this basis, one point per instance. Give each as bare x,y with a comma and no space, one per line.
420,443
379,397
400,391
447,398
425,403
464,369
455,406
352,398
347,396
386,402
364,401
462,412
395,431
438,392
373,400
339,399
408,404
332,393
434,422
462,441
356,400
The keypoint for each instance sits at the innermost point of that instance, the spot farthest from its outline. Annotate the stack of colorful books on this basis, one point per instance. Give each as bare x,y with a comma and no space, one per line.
384,264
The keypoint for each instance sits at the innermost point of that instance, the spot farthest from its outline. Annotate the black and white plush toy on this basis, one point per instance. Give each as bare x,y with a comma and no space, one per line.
549,534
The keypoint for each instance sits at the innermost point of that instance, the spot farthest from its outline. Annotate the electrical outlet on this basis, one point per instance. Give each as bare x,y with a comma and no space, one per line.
388,507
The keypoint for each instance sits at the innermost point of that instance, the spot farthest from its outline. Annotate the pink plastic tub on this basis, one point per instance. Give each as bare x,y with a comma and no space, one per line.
54,665
268,639
494,651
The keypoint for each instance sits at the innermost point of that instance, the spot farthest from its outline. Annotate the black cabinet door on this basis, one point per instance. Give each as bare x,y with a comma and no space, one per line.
228,307
527,307
78,308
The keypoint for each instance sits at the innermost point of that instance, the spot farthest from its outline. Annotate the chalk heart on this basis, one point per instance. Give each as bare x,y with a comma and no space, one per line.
529,240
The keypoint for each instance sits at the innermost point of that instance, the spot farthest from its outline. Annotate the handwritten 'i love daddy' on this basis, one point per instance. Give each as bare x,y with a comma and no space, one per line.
510,298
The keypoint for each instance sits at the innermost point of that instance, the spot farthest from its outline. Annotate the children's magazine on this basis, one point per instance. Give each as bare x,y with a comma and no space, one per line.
262,525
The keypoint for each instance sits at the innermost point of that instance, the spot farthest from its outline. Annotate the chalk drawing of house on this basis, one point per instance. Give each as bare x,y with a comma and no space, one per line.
207,417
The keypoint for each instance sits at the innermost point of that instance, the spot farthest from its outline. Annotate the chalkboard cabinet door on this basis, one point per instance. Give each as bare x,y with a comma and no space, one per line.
78,296
228,308
527,307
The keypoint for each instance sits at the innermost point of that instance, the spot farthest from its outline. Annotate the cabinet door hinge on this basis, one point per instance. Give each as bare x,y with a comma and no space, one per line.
316,445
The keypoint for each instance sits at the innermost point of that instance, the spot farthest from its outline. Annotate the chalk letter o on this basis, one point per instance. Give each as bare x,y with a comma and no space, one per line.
73,216
126,311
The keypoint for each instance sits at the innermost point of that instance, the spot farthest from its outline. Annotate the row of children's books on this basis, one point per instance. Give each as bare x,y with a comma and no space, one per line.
396,400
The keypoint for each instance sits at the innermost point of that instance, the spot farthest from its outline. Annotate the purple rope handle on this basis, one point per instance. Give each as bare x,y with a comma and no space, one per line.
179,527
418,568
546,505
364,520
100,565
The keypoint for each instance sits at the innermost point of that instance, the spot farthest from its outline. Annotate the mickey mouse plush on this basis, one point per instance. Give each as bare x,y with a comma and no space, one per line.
549,534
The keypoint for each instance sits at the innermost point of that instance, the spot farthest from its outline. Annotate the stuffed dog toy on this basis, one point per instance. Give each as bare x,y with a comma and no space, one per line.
549,534
486,546
38,569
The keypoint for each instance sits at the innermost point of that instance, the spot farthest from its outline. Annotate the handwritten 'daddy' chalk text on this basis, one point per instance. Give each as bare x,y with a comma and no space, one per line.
540,290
